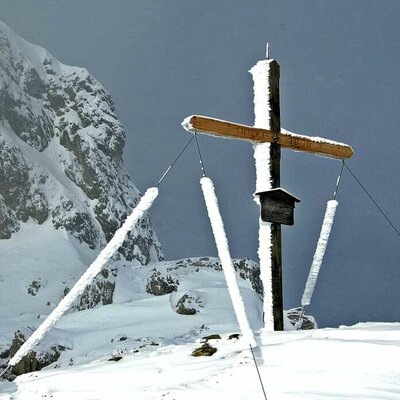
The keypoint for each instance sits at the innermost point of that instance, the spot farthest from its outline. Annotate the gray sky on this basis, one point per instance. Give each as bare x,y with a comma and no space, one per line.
164,60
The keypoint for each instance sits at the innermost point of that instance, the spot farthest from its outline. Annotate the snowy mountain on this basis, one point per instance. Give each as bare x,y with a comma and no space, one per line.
164,331
63,190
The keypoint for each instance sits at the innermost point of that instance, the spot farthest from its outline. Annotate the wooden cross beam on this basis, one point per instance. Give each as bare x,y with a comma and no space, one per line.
268,139
231,130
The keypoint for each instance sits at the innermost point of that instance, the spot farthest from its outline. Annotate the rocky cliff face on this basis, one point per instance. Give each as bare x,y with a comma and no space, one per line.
63,191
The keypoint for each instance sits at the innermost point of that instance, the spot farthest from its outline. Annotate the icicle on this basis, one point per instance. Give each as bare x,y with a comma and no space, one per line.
319,252
113,245
226,260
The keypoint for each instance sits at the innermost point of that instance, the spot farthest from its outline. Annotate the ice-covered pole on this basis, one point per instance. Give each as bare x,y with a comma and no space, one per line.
319,252
105,255
267,159
226,260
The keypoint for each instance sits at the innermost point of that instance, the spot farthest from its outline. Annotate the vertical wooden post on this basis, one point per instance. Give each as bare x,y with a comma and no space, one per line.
267,115
275,171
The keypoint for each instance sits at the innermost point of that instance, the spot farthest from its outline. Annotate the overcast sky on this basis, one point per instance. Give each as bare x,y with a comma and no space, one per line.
340,79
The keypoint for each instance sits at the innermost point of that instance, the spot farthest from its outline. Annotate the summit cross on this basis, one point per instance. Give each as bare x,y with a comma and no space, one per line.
268,138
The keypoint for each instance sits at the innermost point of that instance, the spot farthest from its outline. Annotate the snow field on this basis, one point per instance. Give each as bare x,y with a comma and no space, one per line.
350,362
356,362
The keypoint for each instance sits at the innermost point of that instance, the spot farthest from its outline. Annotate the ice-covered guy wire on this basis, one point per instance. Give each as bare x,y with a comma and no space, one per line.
319,252
105,255
221,242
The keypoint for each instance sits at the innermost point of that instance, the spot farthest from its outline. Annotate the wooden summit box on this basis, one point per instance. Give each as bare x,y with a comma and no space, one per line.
277,205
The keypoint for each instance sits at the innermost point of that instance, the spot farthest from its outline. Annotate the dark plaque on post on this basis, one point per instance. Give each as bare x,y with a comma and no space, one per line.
277,205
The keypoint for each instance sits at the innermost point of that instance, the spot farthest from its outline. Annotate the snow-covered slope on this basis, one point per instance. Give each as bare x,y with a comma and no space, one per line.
157,319
164,302
63,190
359,362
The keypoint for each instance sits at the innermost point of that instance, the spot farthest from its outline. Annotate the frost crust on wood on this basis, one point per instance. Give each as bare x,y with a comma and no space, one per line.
262,112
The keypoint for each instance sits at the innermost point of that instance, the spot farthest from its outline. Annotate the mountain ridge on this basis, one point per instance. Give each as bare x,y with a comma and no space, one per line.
63,188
